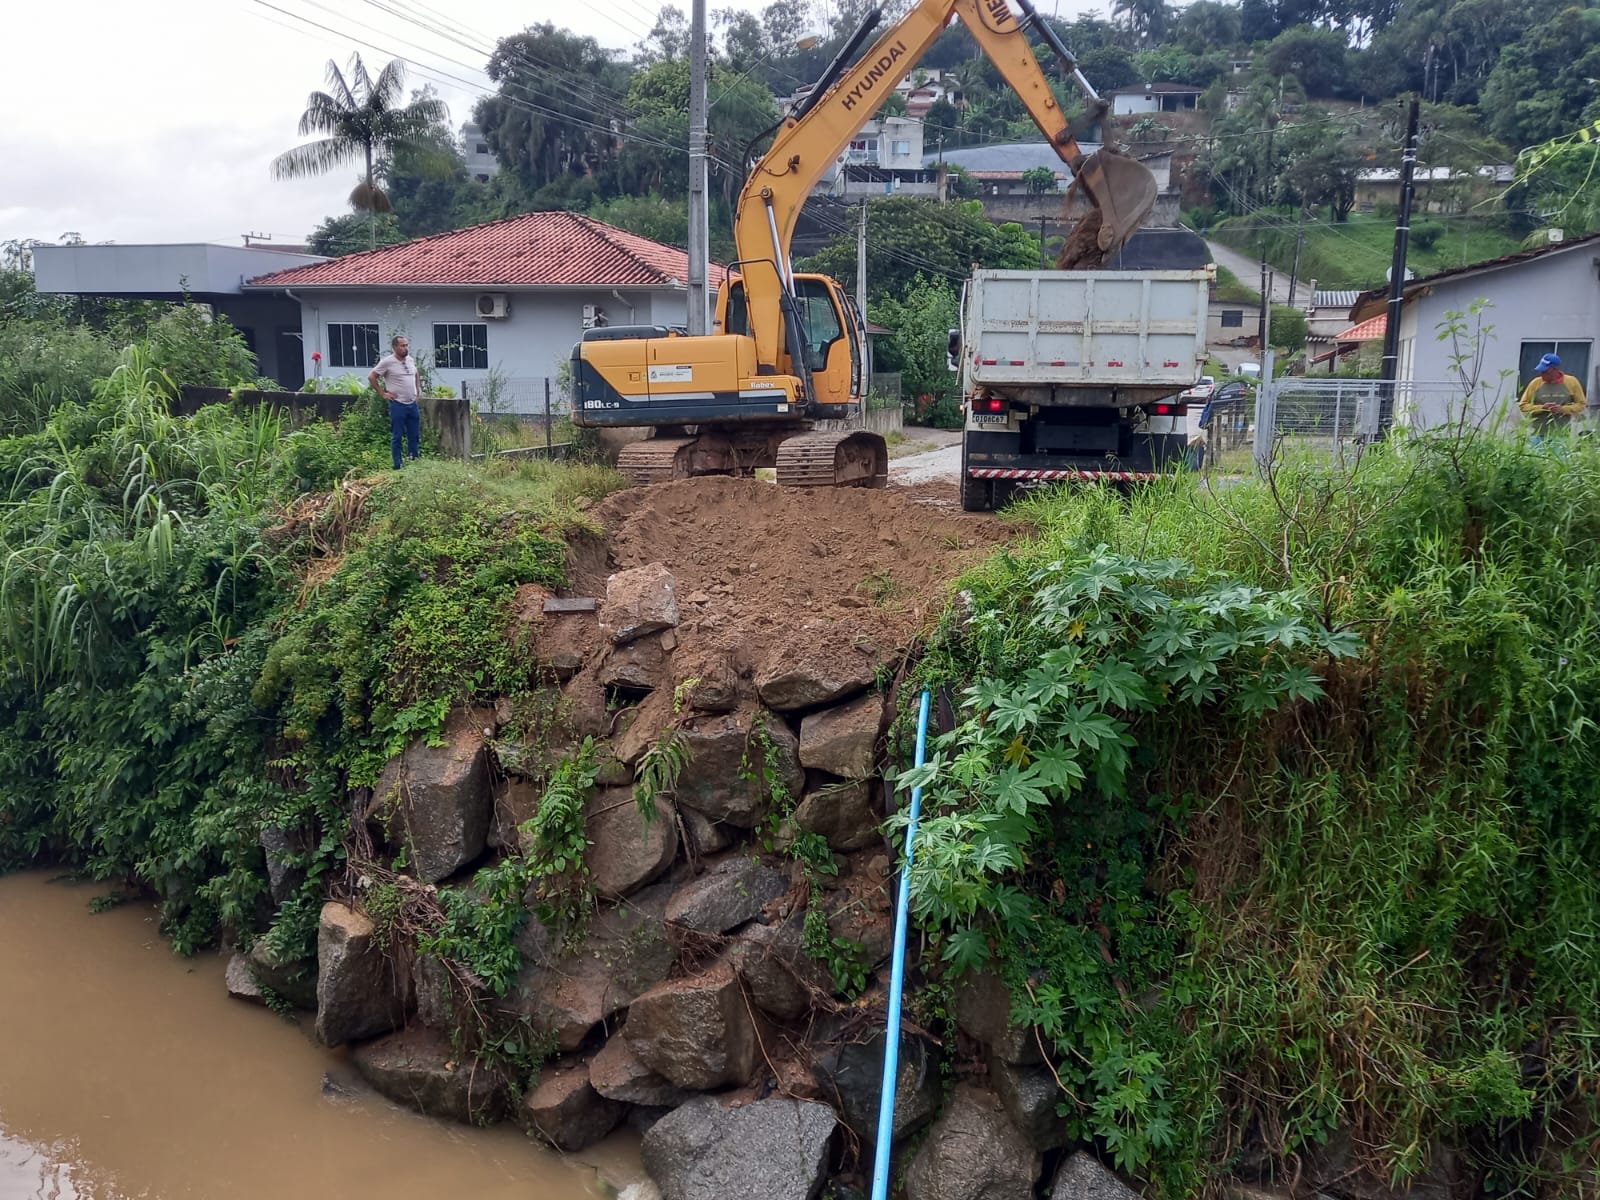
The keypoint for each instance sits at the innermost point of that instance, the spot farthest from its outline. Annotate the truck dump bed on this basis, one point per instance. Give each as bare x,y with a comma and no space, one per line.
1099,338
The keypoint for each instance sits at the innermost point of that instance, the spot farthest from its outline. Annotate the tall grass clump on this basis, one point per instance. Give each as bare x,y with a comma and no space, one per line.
1278,807
215,626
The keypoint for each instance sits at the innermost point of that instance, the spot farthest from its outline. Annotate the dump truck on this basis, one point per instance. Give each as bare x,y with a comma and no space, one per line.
1075,375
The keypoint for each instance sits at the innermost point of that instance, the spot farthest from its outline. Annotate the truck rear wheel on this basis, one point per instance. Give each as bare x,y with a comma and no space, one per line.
977,495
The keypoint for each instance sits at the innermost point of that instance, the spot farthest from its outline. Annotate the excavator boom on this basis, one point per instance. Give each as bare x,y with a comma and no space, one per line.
1121,189
791,349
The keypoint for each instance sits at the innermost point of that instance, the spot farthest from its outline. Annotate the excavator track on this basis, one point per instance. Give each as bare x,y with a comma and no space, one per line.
855,459
655,460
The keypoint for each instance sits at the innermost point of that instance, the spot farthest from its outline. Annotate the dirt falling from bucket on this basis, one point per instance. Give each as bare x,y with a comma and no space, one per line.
126,1071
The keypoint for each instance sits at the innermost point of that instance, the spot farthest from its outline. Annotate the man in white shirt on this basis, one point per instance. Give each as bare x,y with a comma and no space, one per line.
395,377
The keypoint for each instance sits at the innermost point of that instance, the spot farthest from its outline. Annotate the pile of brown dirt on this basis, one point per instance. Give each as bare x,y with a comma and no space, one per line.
754,561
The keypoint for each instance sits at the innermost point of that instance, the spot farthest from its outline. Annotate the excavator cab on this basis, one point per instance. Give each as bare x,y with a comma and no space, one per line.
832,333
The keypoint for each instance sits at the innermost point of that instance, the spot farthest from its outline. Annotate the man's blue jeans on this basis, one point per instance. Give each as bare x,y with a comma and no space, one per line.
405,420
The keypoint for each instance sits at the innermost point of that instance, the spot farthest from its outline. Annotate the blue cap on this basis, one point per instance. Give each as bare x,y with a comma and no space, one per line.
1545,363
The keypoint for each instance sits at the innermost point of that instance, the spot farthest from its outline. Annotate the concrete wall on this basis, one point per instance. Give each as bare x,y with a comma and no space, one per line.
535,340
1552,298
1216,332
1027,210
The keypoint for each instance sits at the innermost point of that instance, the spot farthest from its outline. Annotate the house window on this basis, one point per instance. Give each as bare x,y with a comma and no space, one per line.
1574,358
482,148
351,345
1233,318
902,148
461,347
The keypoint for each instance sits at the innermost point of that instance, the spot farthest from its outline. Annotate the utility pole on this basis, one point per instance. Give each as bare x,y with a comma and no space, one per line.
1266,305
861,261
1397,274
1044,259
699,211
1299,241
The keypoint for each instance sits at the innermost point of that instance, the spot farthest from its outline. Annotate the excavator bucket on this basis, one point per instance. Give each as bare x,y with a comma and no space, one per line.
1122,191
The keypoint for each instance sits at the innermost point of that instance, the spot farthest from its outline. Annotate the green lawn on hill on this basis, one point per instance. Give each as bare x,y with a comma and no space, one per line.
1357,253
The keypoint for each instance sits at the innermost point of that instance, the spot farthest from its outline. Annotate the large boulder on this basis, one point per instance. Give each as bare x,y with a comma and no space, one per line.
419,1068
241,982
778,974
292,980
361,992
617,1074
279,845
1030,1095
436,1006
696,1032
1337,1169
639,665
843,813
816,667
626,851
515,803
973,1152
1081,1177
640,601
728,895
769,1150
702,834
843,740
567,992
435,802
852,1078
735,762
565,1111
981,1004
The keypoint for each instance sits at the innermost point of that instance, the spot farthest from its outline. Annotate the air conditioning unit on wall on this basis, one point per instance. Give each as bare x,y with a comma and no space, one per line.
493,306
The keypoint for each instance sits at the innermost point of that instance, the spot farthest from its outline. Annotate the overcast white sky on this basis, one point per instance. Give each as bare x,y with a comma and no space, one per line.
158,122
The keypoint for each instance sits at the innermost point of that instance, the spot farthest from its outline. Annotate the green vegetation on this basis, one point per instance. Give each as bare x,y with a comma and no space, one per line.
1357,254
194,650
1275,807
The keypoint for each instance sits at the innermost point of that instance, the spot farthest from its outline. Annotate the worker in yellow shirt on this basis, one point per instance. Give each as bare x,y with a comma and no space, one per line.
1552,398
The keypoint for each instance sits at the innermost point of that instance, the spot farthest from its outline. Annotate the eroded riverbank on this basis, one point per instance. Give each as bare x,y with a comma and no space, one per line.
128,1072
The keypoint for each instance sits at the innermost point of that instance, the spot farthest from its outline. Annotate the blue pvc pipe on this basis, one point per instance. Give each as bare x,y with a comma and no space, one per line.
897,980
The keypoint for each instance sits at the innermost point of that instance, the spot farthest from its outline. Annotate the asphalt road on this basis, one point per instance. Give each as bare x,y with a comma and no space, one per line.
1249,272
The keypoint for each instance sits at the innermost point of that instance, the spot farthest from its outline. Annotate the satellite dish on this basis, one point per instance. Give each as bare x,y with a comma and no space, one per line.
1388,275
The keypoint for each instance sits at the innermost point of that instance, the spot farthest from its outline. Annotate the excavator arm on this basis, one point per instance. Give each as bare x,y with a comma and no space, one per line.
812,139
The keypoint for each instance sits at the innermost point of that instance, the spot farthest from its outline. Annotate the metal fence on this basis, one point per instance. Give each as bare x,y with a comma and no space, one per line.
1333,417
529,397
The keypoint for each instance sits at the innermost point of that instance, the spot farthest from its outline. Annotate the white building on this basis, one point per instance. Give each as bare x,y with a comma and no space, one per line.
884,159
207,274
1540,302
1154,98
480,160
501,303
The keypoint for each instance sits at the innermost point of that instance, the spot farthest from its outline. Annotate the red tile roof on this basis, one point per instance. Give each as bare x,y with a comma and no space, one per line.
1368,331
542,249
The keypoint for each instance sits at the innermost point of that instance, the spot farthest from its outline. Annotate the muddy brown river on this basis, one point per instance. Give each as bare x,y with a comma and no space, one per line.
127,1073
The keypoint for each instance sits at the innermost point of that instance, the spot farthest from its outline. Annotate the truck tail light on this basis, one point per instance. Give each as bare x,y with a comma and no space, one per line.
990,404
1172,410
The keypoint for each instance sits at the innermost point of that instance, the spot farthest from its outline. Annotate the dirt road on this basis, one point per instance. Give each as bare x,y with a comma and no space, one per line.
930,466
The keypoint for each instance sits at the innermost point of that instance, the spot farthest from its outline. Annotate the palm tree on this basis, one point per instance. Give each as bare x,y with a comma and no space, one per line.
362,121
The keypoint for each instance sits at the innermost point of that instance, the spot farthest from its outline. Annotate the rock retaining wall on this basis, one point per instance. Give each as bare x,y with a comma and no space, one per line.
690,1006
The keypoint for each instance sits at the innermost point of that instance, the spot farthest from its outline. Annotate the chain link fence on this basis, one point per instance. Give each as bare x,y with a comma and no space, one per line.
527,397
1333,417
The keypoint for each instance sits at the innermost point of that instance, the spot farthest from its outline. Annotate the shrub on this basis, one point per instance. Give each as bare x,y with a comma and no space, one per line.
1251,791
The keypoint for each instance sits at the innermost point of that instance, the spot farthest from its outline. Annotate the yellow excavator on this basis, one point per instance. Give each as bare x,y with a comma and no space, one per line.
789,349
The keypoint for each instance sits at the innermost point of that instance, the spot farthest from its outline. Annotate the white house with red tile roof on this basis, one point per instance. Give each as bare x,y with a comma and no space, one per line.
510,298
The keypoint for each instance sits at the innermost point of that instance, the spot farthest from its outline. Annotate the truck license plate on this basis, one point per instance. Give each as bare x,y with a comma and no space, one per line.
991,418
